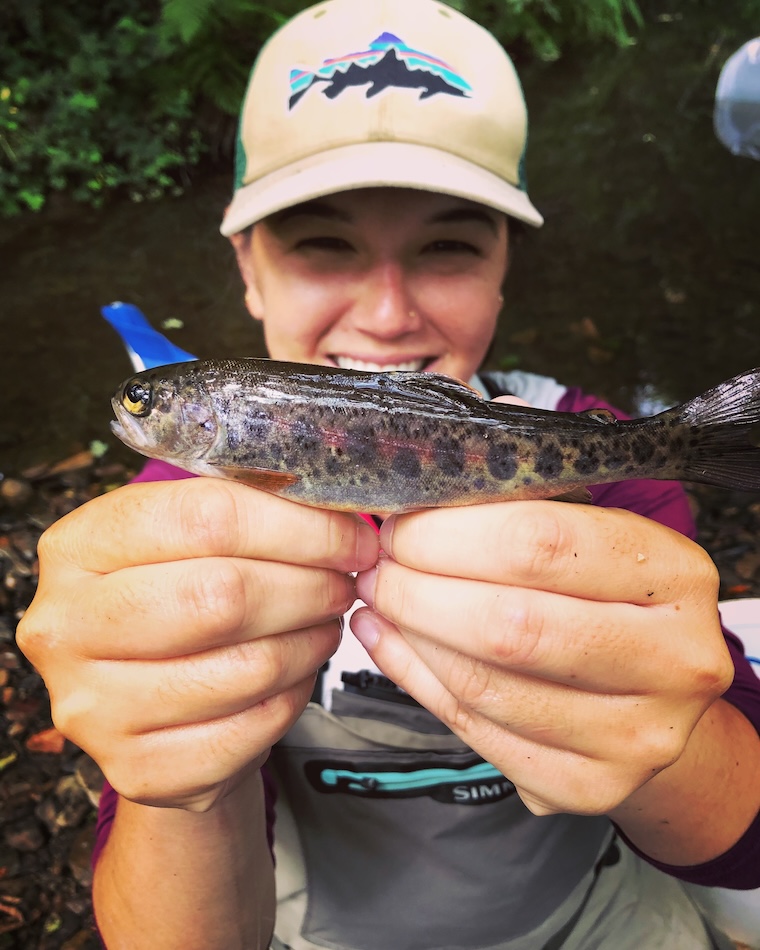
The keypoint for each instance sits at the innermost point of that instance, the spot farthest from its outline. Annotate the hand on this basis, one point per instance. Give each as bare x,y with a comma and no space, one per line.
179,626
573,647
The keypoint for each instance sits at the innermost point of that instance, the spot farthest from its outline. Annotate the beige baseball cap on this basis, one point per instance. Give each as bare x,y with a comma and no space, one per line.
372,93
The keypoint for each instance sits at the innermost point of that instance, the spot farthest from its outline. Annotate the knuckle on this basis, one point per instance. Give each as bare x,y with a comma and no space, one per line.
723,675
705,574
217,594
473,685
538,806
282,709
28,636
73,712
209,516
35,638
512,630
46,545
657,747
455,712
538,541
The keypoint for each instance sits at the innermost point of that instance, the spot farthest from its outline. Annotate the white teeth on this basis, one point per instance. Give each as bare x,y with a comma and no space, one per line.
346,362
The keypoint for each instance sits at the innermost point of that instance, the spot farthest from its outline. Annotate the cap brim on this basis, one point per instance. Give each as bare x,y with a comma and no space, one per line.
375,165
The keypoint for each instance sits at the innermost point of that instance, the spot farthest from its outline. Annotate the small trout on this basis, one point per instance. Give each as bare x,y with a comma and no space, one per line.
390,442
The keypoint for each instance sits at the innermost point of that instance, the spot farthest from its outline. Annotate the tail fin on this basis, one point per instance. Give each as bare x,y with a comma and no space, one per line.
726,451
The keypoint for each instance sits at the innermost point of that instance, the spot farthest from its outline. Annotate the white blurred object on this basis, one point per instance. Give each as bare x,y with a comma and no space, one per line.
736,116
736,913
742,617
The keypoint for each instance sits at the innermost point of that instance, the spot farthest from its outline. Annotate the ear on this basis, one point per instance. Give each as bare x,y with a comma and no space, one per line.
242,244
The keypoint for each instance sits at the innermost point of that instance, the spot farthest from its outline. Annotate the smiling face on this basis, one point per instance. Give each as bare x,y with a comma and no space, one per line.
380,279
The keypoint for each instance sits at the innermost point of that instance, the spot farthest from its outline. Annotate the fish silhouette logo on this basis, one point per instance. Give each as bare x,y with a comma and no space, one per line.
388,62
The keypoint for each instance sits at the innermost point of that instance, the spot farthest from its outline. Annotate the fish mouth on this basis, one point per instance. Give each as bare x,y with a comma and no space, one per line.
128,429
370,366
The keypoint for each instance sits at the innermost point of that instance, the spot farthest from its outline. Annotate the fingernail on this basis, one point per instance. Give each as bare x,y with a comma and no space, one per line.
366,629
365,586
386,534
367,546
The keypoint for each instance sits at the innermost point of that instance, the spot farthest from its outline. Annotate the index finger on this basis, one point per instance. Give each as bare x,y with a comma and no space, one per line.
155,522
582,550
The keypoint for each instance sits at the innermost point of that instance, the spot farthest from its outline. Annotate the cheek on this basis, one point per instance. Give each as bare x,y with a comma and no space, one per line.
470,314
296,317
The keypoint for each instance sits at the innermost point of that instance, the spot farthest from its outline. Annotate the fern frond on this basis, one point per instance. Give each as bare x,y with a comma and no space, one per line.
185,18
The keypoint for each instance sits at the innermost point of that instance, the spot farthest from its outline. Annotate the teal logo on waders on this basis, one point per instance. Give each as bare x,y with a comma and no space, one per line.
479,784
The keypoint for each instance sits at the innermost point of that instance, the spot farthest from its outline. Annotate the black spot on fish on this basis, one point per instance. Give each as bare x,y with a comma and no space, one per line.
586,463
406,462
527,480
548,462
332,465
502,460
361,445
234,440
255,430
642,449
305,437
615,460
449,456
276,451
479,484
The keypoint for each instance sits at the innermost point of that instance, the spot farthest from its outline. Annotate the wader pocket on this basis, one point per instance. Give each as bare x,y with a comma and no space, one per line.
415,848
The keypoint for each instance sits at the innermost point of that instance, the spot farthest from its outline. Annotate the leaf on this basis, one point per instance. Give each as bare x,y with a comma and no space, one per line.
49,741
185,17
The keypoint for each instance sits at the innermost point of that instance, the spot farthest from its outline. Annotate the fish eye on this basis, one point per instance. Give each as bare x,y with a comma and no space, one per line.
137,398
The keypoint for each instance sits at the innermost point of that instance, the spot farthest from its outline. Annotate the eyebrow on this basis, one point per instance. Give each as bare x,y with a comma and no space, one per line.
466,214
319,208
315,209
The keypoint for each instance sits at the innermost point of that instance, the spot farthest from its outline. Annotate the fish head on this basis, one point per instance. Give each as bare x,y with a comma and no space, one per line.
166,416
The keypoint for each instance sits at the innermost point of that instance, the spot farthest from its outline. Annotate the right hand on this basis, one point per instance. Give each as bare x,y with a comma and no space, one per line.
179,626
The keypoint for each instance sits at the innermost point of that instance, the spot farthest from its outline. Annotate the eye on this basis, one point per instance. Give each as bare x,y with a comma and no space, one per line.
137,398
324,243
452,246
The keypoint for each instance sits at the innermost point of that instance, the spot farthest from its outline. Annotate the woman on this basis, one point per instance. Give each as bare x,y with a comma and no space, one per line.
551,672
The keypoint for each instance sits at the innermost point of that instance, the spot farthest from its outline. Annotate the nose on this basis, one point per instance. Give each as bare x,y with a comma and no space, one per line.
386,305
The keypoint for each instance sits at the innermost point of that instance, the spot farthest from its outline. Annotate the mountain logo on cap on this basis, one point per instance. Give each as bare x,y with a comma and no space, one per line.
388,62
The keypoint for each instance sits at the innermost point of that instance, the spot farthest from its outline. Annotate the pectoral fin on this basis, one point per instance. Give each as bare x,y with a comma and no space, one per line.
266,480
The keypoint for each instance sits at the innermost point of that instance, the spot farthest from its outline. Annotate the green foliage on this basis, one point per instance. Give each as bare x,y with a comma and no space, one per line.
219,39
549,26
127,94
86,108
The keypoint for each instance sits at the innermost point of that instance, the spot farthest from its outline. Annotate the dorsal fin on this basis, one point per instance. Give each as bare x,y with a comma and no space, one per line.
600,415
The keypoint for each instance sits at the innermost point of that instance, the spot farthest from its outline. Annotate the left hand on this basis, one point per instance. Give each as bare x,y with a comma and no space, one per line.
573,647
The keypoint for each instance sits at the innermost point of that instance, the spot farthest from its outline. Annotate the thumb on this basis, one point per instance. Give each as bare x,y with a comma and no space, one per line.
512,401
